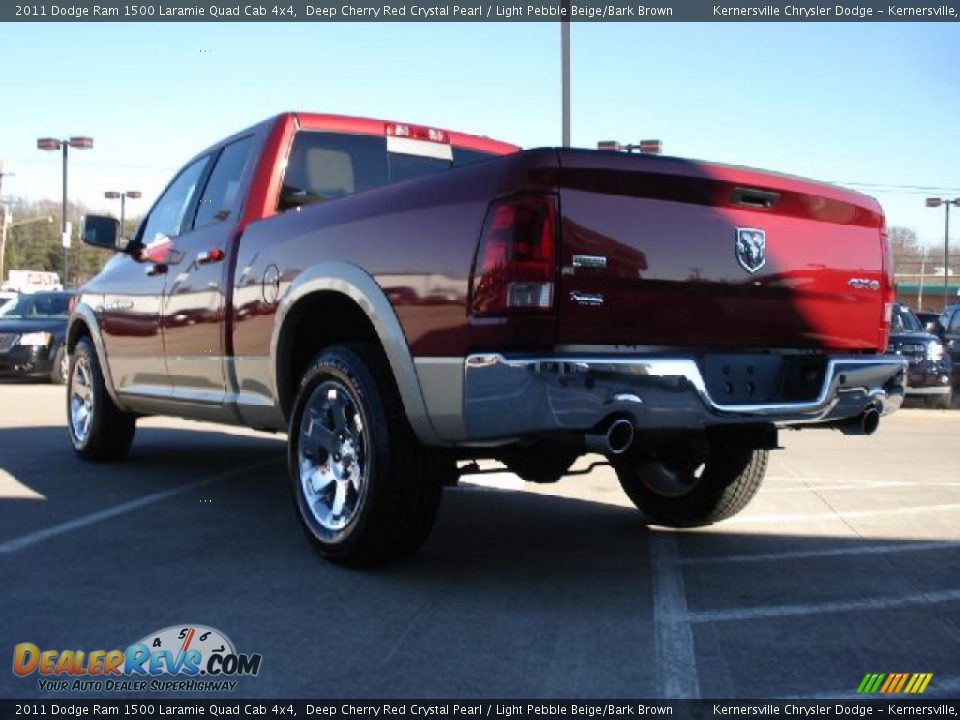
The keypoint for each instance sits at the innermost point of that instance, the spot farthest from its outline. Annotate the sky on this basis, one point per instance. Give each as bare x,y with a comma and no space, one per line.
876,104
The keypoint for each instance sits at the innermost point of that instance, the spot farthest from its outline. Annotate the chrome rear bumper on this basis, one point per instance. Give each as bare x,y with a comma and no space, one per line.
507,396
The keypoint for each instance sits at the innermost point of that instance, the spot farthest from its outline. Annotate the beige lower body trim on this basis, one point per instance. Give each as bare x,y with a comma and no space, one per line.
441,383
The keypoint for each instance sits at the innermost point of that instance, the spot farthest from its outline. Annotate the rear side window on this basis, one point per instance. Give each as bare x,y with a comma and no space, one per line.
220,196
325,166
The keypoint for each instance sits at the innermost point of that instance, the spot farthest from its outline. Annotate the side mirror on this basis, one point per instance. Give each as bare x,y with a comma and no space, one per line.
933,327
101,231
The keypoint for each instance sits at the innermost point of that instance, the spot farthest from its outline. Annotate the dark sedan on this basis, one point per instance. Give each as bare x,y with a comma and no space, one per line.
32,331
930,366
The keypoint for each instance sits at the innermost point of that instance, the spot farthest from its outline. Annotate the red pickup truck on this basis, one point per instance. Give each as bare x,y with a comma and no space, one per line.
399,298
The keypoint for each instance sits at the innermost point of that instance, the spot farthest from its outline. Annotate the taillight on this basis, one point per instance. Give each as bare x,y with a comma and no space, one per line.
889,290
516,267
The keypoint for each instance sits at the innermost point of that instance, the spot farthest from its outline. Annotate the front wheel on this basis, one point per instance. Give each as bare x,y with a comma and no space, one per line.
696,487
98,429
366,491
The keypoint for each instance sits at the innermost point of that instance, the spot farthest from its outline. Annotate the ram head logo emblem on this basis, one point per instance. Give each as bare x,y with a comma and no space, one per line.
751,249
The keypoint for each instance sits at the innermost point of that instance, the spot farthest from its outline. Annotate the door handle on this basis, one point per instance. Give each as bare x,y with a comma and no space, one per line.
210,256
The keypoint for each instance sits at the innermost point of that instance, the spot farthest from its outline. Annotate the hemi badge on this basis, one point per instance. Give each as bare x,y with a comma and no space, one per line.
598,262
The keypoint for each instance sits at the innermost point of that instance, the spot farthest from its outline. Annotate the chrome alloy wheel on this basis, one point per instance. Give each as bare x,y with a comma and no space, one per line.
332,456
81,400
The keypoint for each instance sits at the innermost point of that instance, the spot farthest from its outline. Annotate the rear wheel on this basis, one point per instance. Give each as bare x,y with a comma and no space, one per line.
366,491
98,429
697,486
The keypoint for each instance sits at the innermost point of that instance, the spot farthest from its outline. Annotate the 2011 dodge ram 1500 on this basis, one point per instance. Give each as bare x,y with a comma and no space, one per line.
399,298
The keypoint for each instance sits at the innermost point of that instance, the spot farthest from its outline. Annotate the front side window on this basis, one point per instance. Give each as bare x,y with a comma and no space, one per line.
220,195
166,219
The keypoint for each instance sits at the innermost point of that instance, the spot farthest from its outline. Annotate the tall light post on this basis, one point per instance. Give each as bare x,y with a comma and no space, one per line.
78,142
946,203
113,195
565,73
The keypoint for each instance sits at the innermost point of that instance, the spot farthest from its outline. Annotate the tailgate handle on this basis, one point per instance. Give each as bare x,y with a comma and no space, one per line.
754,198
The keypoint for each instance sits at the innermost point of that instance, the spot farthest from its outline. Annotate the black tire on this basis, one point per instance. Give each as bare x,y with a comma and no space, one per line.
729,478
939,402
57,374
538,464
110,431
401,479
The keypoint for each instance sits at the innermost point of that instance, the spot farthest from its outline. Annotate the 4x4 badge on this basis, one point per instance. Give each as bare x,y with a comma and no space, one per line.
751,248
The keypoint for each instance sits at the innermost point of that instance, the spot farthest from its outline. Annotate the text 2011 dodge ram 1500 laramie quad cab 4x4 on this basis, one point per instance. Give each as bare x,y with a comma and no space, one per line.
399,298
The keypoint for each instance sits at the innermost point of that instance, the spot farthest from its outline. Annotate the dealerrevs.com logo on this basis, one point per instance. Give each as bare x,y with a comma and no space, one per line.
180,658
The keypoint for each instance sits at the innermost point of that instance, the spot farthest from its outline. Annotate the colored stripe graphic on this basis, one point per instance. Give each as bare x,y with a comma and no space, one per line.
894,683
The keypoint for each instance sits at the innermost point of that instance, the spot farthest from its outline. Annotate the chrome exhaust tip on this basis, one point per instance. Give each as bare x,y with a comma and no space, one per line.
620,436
870,421
615,441
866,423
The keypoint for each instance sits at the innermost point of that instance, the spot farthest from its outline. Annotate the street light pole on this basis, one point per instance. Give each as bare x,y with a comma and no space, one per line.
63,221
113,195
80,143
946,202
946,251
565,73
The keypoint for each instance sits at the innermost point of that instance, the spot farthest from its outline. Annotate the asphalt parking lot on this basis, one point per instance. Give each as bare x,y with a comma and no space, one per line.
846,563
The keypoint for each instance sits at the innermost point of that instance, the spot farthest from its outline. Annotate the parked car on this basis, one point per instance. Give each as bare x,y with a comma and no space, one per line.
949,331
574,284
33,328
929,375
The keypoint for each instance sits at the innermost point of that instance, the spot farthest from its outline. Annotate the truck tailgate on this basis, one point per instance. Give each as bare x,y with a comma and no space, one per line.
664,251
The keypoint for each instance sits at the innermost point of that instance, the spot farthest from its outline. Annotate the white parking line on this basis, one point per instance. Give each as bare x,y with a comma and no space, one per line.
880,549
822,608
675,656
842,514
38,536
858,486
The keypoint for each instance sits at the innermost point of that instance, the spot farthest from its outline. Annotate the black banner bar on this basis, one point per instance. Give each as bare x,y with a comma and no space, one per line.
496,709
482,11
